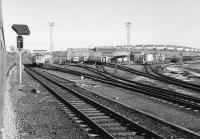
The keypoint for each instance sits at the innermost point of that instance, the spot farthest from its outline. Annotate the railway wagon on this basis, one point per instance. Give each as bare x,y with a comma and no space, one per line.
187,58
76,52
58,60
161,47
93,60
75,59
97,59
62,60
172,60
48,58
55,60
120,53
137,58
170,47
59,53
38,60
148,58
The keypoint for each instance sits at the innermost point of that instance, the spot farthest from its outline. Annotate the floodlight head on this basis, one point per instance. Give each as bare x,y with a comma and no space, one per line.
21,29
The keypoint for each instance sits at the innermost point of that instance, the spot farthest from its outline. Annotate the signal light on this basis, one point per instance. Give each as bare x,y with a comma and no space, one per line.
19,42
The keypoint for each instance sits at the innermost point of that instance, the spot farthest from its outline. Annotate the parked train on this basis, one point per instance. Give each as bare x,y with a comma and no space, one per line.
97,59
40,59
90,59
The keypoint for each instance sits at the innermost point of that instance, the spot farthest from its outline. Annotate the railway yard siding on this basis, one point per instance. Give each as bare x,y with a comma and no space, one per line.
26,104
158,108
36,115
48,122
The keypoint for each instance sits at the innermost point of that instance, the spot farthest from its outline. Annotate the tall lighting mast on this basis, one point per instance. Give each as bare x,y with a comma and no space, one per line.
128,25
51,24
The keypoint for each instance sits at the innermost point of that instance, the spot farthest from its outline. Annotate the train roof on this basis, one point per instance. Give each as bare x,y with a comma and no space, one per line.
78,49
103,48
120,56
59,53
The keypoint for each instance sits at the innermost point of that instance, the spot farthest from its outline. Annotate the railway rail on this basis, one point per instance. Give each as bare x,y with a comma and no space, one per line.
98,117
164,78
170,78
148,70
103,121
171,96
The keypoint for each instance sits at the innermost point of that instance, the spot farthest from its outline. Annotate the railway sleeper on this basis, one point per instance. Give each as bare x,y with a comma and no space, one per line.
103,118
113,125
73,99
94,111
84,107
127,135
94,114
88,109
79,121
76,101
100,117
94,136
105,121
81,105
117,129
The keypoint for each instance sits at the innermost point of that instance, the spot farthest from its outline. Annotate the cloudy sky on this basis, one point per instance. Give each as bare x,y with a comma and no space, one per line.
80,23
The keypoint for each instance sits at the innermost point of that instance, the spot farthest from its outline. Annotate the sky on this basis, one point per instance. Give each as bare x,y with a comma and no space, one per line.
90,23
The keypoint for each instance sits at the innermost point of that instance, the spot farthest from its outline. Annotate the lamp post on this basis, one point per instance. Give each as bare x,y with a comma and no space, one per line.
128,25
51,24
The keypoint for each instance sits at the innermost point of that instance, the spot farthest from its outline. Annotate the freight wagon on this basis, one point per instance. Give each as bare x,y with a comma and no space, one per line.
97,59
77,52
137,58
148,58
75,59
187,58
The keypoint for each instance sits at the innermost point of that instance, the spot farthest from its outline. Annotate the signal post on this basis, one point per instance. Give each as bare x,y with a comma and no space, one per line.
20,30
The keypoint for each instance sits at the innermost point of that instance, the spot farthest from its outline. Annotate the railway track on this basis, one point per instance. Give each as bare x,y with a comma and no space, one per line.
149,71
171,78
182,100
104,122
161,78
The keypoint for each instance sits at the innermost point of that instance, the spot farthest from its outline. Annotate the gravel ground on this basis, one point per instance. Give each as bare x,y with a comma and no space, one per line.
36,115
169,112
194,69
136,67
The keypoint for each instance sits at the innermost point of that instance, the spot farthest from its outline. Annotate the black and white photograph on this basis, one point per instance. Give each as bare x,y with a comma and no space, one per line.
99,69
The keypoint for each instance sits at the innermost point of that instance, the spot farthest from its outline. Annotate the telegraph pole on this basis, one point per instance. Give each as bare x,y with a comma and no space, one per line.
128,25
51,24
